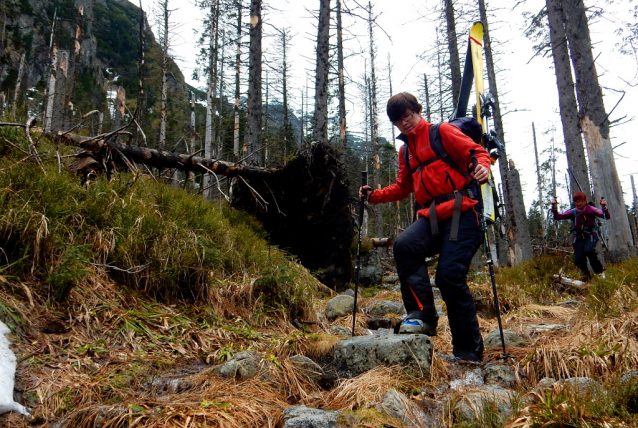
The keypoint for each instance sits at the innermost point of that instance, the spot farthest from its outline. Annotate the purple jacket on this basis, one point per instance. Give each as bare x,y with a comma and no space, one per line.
585,218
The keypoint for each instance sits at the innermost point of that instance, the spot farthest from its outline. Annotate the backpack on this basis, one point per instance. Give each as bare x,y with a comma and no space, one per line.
468,125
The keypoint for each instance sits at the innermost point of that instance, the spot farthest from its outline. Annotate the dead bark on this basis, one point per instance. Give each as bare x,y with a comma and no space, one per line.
16,94
320,133
455,62
253,128
573,283
342,81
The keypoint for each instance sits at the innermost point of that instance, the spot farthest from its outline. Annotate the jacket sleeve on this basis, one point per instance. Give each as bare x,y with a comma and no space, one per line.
600,213
458,146
563,216
397,191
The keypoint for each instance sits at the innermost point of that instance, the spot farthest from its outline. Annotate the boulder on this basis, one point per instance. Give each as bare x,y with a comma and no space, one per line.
371,271
377,323
500,374
339,330
307,417
357,355
407,411
246,365
629,376
582,387
385,307
472,403
311,370
339,306
493,339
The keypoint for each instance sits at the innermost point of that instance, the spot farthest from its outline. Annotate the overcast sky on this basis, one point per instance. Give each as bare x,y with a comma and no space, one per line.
406,29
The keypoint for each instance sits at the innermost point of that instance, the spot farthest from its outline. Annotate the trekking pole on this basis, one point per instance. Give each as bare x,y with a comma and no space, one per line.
364,182
538,266
490,263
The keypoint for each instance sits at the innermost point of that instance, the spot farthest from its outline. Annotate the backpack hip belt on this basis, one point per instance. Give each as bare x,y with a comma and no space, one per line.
457,195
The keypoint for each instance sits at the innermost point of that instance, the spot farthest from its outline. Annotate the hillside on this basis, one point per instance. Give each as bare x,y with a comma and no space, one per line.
128,300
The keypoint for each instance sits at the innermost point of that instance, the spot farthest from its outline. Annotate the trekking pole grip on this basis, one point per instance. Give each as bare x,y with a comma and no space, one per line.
474,160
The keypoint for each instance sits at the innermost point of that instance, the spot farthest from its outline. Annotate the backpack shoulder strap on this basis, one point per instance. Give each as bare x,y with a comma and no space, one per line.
437,146
406,158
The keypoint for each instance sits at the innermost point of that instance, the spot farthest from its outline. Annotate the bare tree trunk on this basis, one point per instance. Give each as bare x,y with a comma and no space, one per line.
2,101
237,80
426,89
538,177
141,70
374,122
633,192
439,68
320,133
16,93
567,99
594,122
253,129
220,92
210,94
284,90
342,81
455,62
59,93
519,240
164,41
120,108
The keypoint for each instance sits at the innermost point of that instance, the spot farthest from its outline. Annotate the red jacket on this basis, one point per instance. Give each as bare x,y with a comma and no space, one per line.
437,178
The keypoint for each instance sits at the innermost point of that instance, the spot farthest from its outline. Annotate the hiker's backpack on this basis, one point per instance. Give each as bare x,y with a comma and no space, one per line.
591,231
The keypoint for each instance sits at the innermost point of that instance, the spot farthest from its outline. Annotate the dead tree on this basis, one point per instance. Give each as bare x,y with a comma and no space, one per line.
594,123
320,119
342,81
237,79
374,122
254,84
455,63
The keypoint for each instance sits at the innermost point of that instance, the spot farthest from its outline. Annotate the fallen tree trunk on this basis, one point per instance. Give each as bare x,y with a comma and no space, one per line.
305,206
573,283
163,158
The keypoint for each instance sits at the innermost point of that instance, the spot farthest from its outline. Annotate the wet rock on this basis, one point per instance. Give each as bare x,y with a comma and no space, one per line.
545,383
500,374
246,365
412,352
377,323
472,403
407,411
307,417
339,306
385,307
493,339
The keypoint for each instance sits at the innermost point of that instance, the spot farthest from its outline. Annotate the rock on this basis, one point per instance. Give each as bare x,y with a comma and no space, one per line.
339,330
402,408
310,369
493,339
544,328
359,354
465,378
385,307
307,417
371,270
472,403
377,323
246,365
500,374
583,387
339,306
629,376
391,279
545,383
8,362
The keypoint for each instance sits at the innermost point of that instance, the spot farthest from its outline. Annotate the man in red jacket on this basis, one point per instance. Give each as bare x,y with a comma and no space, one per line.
448,226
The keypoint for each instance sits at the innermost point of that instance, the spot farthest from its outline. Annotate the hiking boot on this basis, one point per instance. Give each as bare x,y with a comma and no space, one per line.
416,326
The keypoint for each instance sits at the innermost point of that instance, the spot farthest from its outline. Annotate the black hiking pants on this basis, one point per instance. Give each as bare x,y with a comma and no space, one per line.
585,249
410,250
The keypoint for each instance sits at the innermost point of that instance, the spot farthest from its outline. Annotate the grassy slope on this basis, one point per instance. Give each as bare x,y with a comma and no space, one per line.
197,284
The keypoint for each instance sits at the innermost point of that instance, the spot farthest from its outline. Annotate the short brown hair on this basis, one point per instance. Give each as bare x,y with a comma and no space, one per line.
399,103
579,196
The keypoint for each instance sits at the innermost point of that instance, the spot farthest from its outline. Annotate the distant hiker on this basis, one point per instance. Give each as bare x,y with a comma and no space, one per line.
585,231
438,172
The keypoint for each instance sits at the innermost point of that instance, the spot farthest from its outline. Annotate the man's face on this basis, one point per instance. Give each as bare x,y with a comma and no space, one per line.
408,121
580,203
